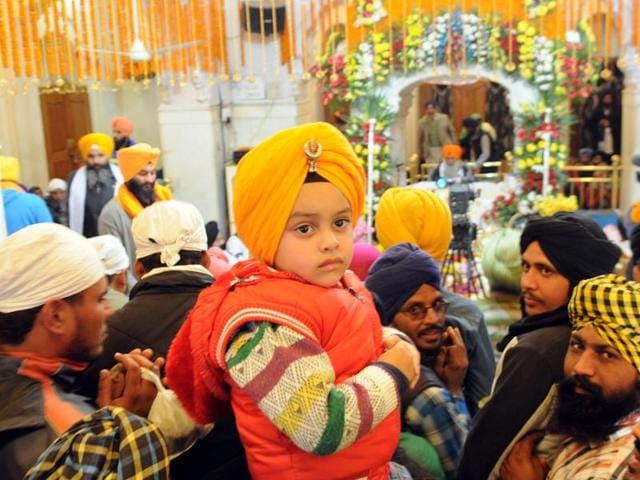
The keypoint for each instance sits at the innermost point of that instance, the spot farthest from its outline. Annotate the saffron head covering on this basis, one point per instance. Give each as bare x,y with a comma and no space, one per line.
452,150
123,124
101,141
10,173
575,245
111,252
271,175
42,262
397,275
166,228
610,304
133,159
364,254
109,443
416,216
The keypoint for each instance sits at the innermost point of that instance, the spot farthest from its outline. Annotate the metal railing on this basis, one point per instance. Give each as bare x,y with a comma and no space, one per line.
418,172
595,186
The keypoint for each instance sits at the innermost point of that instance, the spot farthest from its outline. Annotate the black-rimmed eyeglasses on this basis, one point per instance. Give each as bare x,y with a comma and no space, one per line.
418,311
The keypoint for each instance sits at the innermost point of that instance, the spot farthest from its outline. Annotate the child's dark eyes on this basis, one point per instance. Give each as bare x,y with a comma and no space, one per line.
303,229
343,222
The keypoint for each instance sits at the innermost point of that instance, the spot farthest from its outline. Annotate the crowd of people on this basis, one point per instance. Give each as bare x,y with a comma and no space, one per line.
133,345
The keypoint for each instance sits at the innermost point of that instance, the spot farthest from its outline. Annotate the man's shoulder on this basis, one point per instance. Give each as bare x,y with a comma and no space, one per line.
545,340
112,209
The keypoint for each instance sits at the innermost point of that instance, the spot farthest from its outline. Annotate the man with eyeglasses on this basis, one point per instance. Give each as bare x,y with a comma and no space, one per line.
557,253
405,283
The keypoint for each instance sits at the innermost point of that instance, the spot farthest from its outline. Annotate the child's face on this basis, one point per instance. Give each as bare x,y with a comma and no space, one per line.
317,242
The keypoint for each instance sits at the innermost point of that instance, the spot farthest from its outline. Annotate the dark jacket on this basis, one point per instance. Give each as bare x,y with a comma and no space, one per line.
24,430
158,306
525,376
465,314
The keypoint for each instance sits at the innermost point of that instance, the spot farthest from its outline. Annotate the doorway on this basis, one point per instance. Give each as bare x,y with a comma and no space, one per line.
65,118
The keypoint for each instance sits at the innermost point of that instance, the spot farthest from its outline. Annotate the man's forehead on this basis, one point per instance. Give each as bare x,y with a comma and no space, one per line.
588,335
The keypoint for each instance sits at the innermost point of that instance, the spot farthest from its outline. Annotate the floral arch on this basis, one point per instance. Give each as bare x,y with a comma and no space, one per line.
367,81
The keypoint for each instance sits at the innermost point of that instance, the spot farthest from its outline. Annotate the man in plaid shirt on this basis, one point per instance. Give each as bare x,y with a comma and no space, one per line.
598,401
405,283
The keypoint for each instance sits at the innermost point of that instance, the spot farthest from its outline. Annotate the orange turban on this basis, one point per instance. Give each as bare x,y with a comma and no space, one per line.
133,159
452,150
10,170
123,124
416,216
271,175
101,141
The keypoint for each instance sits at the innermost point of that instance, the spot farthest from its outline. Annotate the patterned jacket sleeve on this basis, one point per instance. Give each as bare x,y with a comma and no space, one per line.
444,421
291,379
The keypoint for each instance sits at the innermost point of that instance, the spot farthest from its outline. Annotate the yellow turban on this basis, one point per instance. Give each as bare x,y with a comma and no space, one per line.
610,304
271,175
133,159
416,216
10,170
101,141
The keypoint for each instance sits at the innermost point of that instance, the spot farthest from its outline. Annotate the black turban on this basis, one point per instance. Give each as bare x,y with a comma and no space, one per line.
575,245
397,274
212,232
635,244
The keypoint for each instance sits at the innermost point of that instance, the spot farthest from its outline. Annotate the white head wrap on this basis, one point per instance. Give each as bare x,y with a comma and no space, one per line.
111,252
56,184
166,228
42,262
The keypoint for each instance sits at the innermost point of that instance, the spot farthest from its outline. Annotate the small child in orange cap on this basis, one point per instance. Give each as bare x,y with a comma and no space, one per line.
292,338
121,128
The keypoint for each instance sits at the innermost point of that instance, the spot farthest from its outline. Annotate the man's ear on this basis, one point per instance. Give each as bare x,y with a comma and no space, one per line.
206,260
119,282
138,269
54,316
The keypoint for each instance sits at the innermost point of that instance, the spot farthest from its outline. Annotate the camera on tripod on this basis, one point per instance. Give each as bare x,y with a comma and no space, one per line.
460,196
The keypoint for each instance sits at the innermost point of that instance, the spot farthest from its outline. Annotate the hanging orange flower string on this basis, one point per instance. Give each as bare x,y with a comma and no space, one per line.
51,67
91,31
180,41
17,42
70,71
221,39
157,59
209,41
247,45
31,65
115,43
79,40
291,38
303,36
166,41
146,35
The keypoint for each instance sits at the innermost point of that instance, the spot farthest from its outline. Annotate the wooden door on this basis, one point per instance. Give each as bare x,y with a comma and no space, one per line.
65,118
468,99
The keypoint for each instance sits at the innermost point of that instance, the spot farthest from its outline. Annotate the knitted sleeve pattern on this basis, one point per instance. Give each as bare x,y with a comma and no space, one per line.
291,379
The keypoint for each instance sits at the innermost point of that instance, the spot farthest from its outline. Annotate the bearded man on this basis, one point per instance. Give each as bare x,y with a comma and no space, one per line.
598,401
92,185
138,167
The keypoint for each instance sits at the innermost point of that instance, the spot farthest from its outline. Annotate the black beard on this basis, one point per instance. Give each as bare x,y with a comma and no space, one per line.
145,194
589,417
121,143
96,166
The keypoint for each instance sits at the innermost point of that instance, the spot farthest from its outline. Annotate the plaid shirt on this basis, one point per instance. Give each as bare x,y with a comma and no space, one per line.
443,420
109,442
608,460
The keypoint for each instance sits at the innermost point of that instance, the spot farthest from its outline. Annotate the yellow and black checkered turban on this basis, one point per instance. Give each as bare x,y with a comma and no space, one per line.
108,444
611,304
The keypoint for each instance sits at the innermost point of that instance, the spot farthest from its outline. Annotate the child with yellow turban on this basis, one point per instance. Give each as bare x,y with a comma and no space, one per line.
292,338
